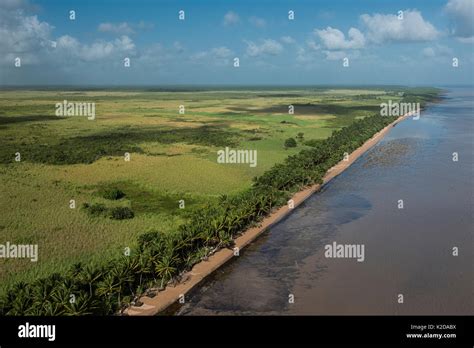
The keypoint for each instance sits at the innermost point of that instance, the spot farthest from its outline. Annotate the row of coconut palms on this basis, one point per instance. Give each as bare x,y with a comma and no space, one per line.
160,258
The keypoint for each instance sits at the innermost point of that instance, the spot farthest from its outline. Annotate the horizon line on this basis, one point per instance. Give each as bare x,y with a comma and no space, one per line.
159,86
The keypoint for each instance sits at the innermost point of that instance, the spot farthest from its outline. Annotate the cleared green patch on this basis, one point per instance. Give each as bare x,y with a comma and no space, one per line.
145,200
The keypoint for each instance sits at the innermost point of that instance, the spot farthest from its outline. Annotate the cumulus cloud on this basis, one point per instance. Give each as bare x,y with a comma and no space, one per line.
461,13
302,56
115,28
268,47
124,28
258,22
313,45
231,18
287,40
334,39
32,40
413,27
22,35
334,44
20,32
98,50
217,55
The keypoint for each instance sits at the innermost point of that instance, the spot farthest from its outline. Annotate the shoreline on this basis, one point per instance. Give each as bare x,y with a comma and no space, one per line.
171,294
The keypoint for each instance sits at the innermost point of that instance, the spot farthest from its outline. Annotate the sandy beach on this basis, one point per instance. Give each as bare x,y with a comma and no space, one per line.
169,296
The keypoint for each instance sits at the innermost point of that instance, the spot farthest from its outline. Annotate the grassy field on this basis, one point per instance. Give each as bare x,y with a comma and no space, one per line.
173,158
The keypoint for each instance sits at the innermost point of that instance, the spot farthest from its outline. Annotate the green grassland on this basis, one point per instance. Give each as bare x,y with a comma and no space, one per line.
173,158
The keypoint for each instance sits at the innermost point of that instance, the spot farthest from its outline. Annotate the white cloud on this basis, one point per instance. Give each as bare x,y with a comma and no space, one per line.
258,22
22,35
19,33
461,13
221,52
270,47
466,40
382,28
217,56
302,56
287,40
71,47
157,55
231,18
437,51
335,55
334,39
115,28
444,50
313,45
30,39
27,37
199,55
307,57
339,55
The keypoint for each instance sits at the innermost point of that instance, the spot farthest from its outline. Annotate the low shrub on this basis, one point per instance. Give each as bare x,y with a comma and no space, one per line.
290,142
112,193
95,210
121,213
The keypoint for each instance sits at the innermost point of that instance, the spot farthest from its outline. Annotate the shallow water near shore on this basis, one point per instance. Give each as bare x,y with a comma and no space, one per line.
408,251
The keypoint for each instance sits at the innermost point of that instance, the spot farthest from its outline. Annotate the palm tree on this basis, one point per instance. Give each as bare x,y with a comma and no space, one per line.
83,305
225,240
122,273
52,308
76,269
20,305
89,275
107,288
42,291
145,268
165,269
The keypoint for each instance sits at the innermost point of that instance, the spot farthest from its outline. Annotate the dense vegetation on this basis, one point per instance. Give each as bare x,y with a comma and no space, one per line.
116,213
112,193
90,148
290,142
160,258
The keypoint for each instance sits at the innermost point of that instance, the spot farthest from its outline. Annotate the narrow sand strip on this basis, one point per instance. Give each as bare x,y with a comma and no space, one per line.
165,298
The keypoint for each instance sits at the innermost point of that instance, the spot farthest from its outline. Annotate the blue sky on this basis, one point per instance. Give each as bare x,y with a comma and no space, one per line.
382,46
